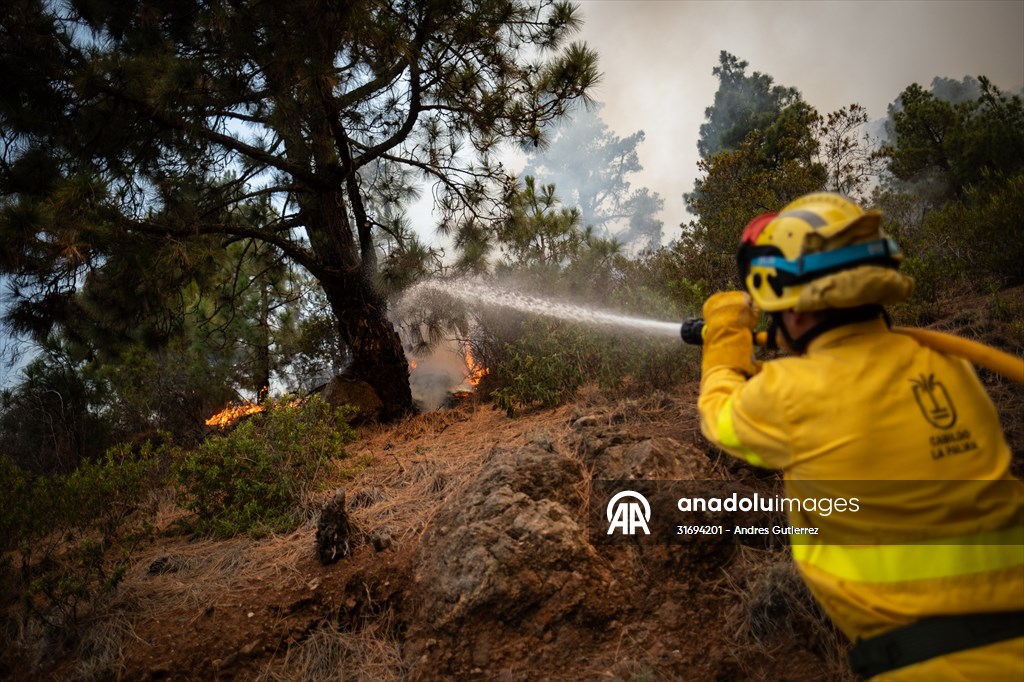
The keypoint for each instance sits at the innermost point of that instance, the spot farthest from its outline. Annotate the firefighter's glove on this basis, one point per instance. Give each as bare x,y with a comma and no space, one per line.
730,318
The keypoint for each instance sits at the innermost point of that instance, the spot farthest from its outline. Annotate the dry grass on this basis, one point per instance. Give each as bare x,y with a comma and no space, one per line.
415,470
198,573
773,609
332,654
397,493
101,650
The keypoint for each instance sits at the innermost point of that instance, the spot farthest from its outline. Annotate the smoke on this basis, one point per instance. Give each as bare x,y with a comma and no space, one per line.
954,91
437,374
590,167
434,327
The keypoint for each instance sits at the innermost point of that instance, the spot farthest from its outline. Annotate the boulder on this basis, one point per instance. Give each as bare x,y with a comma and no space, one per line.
347,391
509,547
654,458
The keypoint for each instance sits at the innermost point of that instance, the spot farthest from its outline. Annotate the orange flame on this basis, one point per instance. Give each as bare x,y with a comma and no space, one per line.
474,372
232,413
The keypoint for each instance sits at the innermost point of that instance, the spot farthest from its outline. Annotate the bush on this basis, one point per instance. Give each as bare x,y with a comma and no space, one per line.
550,360
97,496
254,479
84,514
14,504
968,246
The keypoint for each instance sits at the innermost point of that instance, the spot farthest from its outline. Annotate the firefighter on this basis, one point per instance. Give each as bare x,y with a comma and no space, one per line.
854,401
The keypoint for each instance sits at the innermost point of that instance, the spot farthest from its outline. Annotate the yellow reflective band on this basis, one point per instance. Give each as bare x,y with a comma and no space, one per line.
897,563
727,435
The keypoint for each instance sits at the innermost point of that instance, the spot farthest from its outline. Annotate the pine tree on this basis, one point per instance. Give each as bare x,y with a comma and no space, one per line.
143,126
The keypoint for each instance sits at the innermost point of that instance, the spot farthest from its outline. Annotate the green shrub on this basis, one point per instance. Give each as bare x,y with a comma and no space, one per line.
96,497
968,246
253,479
531,376
14,504
551,360
85,515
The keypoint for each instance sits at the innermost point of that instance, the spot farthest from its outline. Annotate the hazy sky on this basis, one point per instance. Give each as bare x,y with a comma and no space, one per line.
656,58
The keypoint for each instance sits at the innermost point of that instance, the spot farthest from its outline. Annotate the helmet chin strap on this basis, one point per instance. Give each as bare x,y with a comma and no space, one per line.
833,318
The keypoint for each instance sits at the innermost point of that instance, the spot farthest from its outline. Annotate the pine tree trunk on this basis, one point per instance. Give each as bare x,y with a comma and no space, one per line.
377,354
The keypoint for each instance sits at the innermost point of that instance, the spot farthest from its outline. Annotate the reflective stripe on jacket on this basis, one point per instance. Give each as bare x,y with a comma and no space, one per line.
867,404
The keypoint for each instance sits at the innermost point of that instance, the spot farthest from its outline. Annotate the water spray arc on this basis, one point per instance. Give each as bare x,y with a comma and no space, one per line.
496,296
692,330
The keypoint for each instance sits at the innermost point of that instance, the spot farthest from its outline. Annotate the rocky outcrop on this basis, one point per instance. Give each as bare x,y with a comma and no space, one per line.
510,545
653,458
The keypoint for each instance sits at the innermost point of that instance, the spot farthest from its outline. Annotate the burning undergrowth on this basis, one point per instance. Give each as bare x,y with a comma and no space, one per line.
443,376
527,350
438,332
232,413
236,411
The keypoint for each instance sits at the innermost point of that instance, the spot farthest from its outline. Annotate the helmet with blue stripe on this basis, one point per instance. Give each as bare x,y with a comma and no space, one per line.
821,251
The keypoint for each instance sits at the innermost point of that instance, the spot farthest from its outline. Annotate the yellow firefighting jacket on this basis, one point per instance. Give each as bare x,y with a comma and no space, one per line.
866,404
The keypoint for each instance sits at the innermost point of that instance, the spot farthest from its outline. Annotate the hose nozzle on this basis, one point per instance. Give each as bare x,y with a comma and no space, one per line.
694,329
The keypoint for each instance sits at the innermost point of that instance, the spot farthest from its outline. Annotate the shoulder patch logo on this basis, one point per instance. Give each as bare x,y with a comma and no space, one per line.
934,401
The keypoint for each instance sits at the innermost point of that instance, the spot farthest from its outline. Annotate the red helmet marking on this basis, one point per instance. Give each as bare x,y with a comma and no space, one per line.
755,227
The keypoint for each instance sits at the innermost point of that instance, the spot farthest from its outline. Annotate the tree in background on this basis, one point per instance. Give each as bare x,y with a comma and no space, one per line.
953,189
847,153
142,123
972,143
928,189
760,149
742,104
590,165
537,232
48,422
539,236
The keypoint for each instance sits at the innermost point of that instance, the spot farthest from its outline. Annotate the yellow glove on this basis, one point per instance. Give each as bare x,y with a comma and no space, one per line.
729,319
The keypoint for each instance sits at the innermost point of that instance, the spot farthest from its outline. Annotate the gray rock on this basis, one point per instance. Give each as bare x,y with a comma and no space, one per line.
511,546
654,458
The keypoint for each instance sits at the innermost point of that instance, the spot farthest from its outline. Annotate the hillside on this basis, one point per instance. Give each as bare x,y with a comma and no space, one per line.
471,561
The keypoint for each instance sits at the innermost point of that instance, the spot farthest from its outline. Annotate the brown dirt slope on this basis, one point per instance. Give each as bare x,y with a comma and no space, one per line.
471,561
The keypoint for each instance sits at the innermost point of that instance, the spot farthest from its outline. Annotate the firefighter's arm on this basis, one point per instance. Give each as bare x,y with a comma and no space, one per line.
736,412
